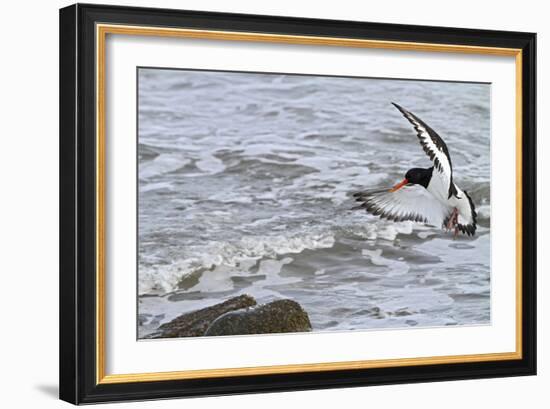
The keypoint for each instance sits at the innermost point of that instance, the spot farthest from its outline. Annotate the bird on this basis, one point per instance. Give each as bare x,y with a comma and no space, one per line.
425,195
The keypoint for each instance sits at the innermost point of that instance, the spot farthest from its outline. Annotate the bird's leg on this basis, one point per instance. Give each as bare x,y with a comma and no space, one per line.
453,219
456,233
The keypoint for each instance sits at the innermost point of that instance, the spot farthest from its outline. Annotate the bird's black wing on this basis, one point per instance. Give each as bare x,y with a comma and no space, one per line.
435,148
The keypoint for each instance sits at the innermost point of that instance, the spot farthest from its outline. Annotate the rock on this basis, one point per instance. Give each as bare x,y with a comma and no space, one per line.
195,323
274,317
236,317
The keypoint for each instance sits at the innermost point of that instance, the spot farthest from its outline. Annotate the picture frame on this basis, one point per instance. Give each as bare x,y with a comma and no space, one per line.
84,283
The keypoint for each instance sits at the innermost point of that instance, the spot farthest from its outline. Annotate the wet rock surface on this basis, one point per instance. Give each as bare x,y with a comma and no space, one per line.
275,317
238,316
195,323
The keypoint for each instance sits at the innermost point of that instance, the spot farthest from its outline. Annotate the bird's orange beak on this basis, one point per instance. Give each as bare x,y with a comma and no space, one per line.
399,185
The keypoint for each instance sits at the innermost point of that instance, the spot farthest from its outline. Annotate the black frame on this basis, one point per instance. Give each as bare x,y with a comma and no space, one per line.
77,204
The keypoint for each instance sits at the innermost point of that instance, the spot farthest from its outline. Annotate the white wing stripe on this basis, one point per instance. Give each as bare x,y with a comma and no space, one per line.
408,203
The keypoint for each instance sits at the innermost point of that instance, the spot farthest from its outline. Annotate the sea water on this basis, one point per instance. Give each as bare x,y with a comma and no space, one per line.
245,184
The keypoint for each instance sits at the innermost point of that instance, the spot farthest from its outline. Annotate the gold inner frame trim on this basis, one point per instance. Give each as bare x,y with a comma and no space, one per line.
101,33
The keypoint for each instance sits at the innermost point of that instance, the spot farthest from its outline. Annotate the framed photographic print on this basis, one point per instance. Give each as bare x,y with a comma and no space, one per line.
258,203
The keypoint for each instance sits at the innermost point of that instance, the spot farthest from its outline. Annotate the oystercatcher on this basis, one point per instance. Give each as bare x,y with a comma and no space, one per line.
425,195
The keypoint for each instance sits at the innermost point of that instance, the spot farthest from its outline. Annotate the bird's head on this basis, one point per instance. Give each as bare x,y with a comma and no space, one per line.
415,176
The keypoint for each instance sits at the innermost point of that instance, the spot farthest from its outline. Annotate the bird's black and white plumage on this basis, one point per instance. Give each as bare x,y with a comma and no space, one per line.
425,195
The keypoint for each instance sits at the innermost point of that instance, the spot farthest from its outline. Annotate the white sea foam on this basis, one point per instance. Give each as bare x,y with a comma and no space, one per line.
222,258
484,211
395,267
155,186
210,164
390,231
372,228
162,164
413,302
